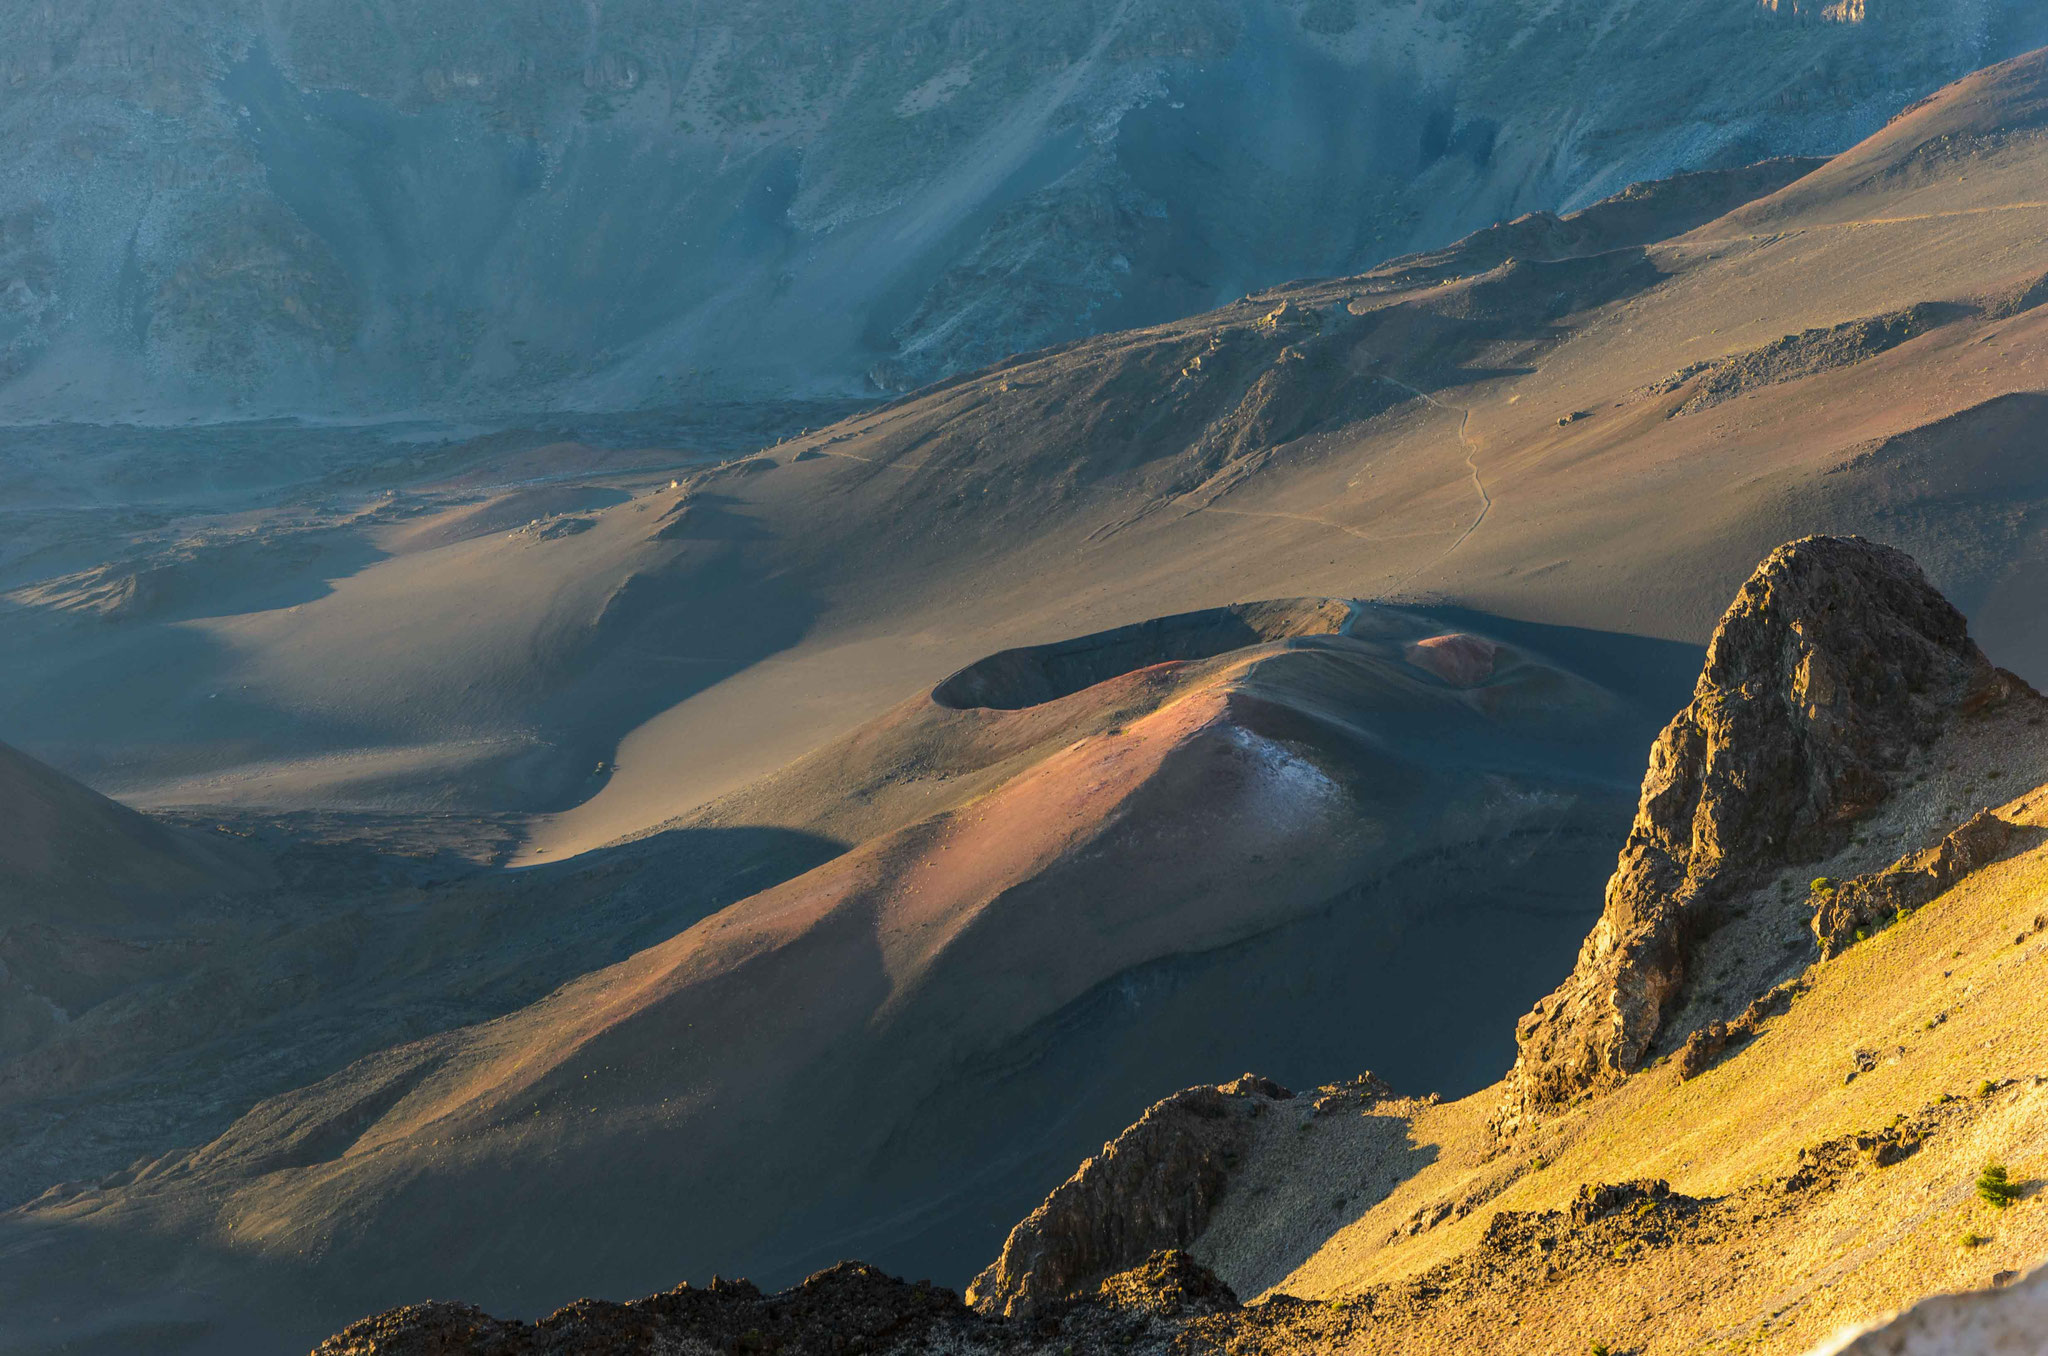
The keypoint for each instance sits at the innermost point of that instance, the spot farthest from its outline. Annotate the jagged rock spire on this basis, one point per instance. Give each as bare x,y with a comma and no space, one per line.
1836,661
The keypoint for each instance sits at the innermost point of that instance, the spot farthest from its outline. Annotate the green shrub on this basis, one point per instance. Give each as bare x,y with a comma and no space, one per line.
1986,1088
1822,886
1995,1189
1972,1239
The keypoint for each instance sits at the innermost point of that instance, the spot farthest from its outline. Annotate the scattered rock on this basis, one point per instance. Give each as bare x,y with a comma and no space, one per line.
850,1307
1599,1200
1168,1284
1289,314
1891,1146
1166,1301
1360,1092
2018,300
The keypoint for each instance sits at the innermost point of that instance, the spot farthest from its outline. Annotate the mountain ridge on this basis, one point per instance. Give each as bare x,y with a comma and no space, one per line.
849,199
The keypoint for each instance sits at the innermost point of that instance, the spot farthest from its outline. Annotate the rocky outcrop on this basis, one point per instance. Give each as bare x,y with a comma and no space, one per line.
850,1308
1842,912
1811,353
1704,1047
1168,1284
1152,1188
1835,663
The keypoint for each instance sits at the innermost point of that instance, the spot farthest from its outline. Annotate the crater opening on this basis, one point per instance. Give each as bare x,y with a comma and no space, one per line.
1014,679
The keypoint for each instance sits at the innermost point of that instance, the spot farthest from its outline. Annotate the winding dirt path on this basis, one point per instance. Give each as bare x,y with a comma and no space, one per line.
1471,466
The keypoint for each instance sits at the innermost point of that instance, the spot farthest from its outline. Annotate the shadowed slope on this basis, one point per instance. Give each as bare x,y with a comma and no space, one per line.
69,856
1873,1136
332,208
839,1060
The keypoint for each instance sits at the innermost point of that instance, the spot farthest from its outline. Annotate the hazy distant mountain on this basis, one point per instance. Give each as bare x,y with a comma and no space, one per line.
212,207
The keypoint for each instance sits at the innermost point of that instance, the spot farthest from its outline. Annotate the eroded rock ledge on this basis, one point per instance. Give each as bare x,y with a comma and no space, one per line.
1842,912
1834,665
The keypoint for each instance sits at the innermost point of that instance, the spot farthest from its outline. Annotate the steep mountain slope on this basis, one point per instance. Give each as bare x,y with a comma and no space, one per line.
1820,1159
346,206
1149,849
1830,1163
1507,432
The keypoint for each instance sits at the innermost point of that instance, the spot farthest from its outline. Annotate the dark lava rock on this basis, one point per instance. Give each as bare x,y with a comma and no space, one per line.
850,1308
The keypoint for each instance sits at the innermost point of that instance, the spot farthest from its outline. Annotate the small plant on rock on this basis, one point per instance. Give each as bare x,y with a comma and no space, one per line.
1986,1088
1996,1189
1972,1239
1822,886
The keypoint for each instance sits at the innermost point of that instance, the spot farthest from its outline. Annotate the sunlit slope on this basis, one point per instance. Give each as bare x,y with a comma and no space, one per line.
1505,434
624,651
1930,1031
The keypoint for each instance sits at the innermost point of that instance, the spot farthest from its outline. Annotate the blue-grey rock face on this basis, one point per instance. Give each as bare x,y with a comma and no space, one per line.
217,207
